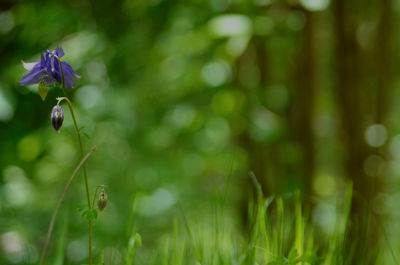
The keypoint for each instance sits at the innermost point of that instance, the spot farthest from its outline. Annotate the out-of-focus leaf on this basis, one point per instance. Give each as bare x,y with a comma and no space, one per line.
43,90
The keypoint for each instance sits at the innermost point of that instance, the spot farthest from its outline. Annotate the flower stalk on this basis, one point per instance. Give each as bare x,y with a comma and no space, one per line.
60,200
51,70
82,155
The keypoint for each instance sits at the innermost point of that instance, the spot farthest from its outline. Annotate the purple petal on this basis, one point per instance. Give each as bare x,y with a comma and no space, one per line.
55,69
47,65
49,80
43,59
33,77
59,52
68,69
68,81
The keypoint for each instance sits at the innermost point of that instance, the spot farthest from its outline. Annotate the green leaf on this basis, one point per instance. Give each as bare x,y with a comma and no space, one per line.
279,261
309,258
90,214
82,132
293,256
43,89
79,208
138,240
85,134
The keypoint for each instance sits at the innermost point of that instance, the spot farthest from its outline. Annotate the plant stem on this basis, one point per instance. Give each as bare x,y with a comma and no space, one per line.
60,200
81,150
94,197
80,143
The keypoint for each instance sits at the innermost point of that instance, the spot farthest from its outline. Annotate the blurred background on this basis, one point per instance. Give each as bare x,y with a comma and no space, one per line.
183,99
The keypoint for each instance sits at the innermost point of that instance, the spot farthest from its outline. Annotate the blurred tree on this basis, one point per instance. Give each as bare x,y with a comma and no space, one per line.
303,104
355,77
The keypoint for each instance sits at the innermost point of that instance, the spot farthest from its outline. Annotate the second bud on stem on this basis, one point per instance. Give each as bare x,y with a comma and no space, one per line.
102,202
57,117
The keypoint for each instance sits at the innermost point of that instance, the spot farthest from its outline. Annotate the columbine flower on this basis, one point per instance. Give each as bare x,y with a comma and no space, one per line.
48,69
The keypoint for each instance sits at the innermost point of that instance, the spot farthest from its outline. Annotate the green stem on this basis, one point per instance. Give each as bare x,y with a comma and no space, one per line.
80,143
82,155
94,197
60,200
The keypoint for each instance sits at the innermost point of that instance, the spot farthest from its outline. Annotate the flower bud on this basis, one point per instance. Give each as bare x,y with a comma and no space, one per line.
57,117
102,202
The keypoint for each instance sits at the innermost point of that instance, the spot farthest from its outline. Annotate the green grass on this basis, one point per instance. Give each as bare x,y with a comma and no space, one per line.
279,231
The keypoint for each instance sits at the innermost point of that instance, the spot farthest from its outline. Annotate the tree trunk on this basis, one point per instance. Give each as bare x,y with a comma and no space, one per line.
352,98
303,105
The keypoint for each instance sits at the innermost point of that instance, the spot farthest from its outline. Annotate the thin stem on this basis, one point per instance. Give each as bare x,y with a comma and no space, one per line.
81,150
60,200
94,197
80,144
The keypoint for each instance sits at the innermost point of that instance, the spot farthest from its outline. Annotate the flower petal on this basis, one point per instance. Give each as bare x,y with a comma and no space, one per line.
69,81
47,64
33,77
59,52
43,59
55,69
68,69
28,66
49,80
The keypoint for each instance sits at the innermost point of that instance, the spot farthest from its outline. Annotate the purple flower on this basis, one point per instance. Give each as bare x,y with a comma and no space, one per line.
48,69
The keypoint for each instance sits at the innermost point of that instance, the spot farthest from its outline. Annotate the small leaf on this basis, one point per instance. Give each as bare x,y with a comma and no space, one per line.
309,258
85,134
43,89
138,240
279,261
79,208
90,214
82,132
293,256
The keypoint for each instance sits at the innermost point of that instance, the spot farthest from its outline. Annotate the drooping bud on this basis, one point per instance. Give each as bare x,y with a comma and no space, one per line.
102,202
57,117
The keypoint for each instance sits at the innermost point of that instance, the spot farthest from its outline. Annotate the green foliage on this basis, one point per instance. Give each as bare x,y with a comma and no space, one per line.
134,242
275,237
43,90
176,97
90,214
